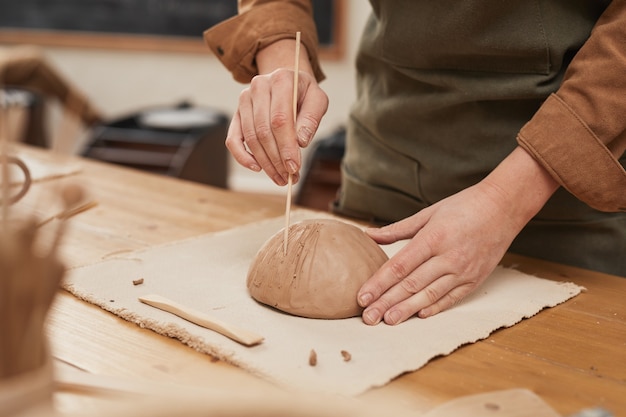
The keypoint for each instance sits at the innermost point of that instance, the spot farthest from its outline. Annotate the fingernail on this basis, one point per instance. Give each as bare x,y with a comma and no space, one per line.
423,313
371,316
279,180
255,168
365,299
392,317
304,136
293,168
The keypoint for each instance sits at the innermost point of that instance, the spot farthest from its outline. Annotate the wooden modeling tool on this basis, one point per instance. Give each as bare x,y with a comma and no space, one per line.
295,113
242,336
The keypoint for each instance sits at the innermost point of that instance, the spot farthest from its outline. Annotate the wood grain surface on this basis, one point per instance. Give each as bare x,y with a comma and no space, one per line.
573,356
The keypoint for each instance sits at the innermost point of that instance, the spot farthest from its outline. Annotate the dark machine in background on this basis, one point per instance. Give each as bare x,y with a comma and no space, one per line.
183,141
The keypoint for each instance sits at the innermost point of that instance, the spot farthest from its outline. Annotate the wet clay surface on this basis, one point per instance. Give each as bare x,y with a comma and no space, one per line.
326,263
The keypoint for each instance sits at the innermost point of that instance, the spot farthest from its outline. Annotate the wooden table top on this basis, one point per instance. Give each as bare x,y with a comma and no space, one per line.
573,355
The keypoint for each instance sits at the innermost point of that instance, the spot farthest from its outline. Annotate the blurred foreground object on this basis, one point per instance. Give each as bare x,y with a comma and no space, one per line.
29,81
30,273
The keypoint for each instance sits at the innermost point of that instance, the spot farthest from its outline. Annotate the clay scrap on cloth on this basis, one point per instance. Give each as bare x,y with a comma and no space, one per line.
208,273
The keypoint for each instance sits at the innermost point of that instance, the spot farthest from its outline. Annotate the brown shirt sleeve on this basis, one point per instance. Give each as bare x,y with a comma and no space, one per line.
259,23
579,133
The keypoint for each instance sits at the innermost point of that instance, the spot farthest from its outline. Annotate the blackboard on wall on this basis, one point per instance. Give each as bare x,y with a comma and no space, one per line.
169,25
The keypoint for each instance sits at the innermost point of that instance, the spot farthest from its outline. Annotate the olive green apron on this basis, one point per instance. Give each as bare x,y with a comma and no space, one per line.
443,89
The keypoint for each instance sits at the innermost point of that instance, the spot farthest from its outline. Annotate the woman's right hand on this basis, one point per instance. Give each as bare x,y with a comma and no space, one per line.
262,134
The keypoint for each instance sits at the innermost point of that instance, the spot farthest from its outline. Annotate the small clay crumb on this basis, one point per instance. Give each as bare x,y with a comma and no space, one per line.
492,406
138,281
312,358
111,301
346,355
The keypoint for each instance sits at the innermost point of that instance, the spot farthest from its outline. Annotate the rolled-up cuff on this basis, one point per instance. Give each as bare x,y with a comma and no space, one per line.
575,156
237,40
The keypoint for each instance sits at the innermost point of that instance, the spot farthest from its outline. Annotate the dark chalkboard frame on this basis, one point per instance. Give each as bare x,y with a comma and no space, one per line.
330,49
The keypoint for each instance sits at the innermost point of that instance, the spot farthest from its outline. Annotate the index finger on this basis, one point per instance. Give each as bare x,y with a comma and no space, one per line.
398,267
282,122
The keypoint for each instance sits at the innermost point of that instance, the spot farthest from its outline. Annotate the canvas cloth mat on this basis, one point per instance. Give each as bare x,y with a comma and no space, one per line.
208,273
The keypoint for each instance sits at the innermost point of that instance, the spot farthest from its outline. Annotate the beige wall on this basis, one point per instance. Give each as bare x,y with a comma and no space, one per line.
119,82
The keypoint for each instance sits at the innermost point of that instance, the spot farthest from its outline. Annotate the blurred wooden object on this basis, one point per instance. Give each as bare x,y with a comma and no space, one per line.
30,280
30,274
33,81
25,294
507,403
504,403
30,126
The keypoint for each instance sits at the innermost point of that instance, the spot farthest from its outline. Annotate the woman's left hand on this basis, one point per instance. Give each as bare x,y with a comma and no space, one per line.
454,245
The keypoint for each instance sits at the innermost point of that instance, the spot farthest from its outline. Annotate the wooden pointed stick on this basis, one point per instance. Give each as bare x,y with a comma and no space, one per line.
287,215
68,212
295,113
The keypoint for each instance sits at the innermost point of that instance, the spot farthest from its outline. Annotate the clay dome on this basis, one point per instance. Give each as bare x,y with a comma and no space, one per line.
326,263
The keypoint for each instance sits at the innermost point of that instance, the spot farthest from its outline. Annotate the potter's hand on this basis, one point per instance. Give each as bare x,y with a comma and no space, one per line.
454,244
262,135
